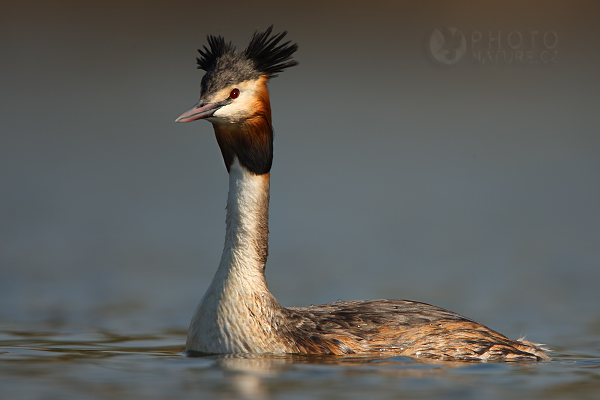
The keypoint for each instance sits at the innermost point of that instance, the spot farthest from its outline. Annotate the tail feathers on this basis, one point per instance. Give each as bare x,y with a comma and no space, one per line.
536,349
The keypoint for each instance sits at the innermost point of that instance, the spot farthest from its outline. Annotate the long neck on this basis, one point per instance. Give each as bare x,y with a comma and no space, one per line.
242,265
237,310
247,224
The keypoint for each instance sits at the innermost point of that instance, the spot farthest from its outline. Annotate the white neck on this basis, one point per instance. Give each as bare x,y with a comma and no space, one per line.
231,315
247,225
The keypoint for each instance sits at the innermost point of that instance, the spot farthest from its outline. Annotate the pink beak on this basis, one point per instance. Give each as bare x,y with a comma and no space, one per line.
199,111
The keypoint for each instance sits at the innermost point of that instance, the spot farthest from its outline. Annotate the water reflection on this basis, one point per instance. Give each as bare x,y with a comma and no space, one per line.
75,364
256,376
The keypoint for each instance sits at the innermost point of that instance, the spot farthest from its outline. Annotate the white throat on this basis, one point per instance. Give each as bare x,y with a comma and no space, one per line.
231,315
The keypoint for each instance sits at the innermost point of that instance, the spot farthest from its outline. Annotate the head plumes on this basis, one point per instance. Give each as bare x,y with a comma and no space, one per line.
268,55
225,66
218,48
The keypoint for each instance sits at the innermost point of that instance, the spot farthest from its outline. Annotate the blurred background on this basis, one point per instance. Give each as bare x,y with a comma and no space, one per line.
446,152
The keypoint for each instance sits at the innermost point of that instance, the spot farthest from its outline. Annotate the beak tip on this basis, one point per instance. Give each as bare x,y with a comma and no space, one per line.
185,117
199,111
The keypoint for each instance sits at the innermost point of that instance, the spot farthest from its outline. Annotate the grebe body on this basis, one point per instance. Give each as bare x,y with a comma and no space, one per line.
238,313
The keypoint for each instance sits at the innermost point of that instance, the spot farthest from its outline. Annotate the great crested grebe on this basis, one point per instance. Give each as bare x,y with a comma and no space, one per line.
238,313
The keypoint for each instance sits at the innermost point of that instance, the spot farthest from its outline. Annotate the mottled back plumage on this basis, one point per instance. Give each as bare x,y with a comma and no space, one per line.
224,65
401,327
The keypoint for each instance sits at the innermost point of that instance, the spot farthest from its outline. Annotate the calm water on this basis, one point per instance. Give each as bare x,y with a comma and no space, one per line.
96,364
472,185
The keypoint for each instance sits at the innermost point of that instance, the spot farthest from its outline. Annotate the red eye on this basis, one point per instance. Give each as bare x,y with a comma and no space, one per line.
234,93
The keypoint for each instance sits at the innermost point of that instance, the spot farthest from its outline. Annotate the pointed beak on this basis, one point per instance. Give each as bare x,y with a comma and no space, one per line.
199,111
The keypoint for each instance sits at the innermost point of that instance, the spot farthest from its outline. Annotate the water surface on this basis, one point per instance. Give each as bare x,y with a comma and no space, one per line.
56,363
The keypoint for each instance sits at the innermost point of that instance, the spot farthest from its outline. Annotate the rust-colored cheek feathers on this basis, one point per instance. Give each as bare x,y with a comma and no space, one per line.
250,141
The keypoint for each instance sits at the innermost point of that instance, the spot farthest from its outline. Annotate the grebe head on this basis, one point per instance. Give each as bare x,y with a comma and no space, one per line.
235,99
233,89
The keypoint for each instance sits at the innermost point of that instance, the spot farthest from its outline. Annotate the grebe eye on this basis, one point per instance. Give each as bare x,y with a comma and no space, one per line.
234,93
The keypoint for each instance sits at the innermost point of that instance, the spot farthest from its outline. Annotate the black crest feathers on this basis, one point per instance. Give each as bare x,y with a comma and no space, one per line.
218,48
265,55
268,55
